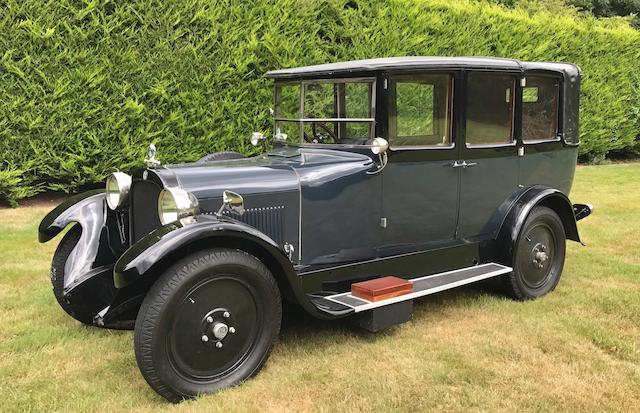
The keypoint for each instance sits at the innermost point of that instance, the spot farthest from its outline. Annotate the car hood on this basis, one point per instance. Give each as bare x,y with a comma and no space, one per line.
275,186
281,170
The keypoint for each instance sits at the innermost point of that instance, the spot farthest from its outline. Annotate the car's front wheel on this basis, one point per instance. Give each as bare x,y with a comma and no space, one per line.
538,255
209,322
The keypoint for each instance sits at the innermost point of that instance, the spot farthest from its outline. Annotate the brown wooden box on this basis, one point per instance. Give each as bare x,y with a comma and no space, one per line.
381,288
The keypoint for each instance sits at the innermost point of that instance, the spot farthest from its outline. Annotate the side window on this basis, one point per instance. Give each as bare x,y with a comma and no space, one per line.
540,108
421,115
334,111
356,106
288,107
489,109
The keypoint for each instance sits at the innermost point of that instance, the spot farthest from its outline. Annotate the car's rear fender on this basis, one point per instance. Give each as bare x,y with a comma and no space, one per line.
144,261
518,212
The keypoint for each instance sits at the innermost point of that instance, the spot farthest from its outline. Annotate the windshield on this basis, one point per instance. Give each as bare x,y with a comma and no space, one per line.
335,111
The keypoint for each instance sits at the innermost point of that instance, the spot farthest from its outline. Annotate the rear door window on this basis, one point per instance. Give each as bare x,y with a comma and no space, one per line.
540,98
489,109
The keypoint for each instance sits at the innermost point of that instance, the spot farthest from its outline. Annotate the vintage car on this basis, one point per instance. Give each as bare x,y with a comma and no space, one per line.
387,180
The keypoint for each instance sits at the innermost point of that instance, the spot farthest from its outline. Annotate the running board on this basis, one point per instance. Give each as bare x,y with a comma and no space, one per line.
422,286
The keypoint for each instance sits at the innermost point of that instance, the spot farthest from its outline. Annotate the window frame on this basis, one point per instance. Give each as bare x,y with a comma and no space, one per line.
392,105
372,80
558,133
515,123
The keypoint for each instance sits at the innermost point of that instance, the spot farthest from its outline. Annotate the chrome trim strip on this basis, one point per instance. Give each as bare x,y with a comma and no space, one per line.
299,215
422,293
420,147
489,145
535,141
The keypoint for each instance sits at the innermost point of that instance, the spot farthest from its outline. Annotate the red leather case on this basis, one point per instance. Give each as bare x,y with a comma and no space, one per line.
381,288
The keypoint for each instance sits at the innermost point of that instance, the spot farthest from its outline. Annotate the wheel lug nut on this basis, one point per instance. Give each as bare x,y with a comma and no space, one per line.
205,338
209,319
226,314
232,330
219,344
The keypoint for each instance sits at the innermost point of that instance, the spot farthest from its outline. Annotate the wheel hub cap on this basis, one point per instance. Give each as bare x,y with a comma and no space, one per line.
539,255
220,330
216,325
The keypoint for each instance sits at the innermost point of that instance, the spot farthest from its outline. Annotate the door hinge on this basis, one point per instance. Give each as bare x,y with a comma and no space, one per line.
384,84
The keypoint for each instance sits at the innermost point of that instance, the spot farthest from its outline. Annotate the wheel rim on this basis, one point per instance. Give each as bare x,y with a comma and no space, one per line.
214,329
536,255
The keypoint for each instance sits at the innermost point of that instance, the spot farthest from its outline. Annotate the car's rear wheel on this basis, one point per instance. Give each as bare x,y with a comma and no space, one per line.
67,244
538,257
208,323
221,156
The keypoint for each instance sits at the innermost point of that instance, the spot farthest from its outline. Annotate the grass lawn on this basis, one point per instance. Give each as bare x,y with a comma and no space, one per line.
576,349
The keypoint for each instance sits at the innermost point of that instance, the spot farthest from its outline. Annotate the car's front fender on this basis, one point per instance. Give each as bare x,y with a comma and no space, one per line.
88,269
85,208
92,255
169,242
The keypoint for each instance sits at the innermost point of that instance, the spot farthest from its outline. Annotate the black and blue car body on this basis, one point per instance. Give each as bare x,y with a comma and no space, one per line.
440,171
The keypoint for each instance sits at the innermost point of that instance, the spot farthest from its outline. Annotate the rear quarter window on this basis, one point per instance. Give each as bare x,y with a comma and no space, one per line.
540,100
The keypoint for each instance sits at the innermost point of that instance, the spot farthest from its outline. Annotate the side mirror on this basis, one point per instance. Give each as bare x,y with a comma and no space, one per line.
231,202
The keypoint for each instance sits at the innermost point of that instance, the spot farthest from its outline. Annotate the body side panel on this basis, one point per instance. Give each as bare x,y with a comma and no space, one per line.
340,209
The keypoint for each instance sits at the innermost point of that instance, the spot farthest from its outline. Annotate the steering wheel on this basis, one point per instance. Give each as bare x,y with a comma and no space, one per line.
317,137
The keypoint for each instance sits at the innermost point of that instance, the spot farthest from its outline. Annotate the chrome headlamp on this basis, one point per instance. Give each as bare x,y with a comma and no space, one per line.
175,204
117,189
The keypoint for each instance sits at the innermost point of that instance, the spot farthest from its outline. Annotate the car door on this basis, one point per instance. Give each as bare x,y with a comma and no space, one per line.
420,187
489,162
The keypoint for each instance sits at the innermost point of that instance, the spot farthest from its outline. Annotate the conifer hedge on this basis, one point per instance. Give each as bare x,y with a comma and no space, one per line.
86,85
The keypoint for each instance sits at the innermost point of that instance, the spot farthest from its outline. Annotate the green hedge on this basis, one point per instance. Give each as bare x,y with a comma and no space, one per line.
86,85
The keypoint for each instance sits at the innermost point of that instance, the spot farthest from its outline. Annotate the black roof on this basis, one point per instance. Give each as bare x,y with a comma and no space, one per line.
421,62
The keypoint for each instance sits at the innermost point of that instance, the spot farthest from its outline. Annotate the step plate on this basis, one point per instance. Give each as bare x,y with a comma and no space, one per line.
430,284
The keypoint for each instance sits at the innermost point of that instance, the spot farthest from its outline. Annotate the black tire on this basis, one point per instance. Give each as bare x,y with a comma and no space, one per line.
221,156
177,312
63,250
538,257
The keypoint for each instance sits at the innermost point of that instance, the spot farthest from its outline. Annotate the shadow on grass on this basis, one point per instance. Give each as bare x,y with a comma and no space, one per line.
298,326
297,323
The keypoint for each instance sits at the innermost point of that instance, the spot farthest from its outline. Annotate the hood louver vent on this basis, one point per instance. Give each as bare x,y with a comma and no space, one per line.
269,220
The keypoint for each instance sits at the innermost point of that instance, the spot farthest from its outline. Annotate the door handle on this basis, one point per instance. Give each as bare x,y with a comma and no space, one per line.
463,164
